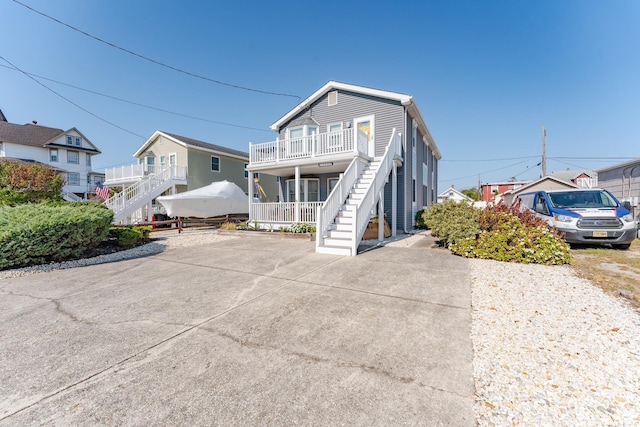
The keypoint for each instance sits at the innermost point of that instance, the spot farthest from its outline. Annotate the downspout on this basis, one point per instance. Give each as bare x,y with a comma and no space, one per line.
404,165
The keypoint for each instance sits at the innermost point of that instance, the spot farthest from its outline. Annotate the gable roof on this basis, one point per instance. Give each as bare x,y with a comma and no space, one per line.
570,175
38,136
405,100
191,143
538,181
29,134
447,193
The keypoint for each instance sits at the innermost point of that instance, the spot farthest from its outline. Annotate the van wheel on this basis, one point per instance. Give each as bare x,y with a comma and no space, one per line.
623,247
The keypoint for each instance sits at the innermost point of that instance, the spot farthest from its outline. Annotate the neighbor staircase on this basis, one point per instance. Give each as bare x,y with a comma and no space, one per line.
125,203
343,218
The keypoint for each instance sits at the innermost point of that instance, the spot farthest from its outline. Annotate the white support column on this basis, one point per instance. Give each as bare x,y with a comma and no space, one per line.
394,199
250,192
149,210
381,216
297,194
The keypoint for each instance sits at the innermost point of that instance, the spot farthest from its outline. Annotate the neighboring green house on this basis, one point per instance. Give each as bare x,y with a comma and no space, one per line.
176,164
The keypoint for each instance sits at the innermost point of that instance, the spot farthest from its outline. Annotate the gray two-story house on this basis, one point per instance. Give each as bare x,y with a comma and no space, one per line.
343,155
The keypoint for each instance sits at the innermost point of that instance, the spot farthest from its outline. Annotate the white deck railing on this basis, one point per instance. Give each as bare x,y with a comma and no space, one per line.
320,144
284,212
128,173
372,194
336,199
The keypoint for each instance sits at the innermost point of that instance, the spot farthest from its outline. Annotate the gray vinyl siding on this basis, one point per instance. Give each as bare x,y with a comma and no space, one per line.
622,182
324,184
387,115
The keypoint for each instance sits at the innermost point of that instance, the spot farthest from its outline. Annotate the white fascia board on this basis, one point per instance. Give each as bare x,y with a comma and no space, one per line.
147,143
333,85
412,107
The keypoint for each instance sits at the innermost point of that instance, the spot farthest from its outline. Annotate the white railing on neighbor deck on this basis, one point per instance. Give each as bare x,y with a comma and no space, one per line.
373,192
338,196
307,146
284,212
119,201
128,172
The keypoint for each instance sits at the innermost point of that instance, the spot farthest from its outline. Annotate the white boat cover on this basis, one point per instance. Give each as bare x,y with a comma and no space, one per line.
217,198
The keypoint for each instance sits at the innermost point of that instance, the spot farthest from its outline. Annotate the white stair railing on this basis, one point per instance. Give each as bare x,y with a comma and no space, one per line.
140,193
372,194
337,198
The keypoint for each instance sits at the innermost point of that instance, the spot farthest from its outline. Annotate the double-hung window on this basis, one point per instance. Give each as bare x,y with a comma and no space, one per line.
73,157
53,154
302,140
74,179
69,140
215,164
246,171
335,135
88,159
78,141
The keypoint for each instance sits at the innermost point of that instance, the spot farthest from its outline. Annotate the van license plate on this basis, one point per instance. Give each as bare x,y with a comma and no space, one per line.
599,234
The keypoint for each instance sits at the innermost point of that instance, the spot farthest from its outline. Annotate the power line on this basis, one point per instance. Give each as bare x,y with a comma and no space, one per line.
70,101
485,172
146,58
488,160
139,104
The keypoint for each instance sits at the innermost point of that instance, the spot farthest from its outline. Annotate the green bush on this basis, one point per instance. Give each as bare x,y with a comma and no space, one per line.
144,231
511,239
33,234
127,237
451,221
420,219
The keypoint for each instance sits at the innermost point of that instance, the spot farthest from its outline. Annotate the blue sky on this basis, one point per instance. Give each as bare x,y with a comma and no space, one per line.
485,74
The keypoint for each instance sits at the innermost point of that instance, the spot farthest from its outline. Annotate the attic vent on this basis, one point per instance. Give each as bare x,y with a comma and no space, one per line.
333,97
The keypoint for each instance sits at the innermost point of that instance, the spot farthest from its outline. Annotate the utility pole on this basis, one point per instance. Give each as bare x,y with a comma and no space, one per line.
544,152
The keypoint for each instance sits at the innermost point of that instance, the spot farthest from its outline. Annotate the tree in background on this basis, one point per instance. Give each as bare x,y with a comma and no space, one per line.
23,182
472,193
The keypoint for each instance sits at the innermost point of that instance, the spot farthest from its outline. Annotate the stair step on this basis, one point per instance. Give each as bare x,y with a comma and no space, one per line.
339,234
333,250
333,241
343,226
344,220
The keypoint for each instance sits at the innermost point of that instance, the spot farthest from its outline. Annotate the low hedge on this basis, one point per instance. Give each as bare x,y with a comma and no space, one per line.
129,236
33,234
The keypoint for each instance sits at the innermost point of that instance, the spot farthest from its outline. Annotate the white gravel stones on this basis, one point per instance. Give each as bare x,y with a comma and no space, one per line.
551,349
162,241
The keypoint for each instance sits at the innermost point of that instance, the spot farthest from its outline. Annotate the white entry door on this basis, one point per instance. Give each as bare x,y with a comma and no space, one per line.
366,126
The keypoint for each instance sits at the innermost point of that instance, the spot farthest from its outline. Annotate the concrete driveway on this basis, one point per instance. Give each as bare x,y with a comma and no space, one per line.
249,331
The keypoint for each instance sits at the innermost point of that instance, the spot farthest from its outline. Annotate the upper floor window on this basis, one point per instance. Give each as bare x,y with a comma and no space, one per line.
78,141
73,157
163,162
215,164
69,140
335,136
246,171
88,159
53,154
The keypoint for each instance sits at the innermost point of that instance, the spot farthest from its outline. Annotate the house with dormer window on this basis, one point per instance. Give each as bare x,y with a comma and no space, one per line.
68,151
342,155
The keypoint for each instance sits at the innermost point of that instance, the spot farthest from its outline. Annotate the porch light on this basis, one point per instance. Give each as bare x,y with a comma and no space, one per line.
325,164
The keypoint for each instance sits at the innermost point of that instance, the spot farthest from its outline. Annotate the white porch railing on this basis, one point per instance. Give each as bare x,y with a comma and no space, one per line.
320,144
338,196
128,173
284,212
372,195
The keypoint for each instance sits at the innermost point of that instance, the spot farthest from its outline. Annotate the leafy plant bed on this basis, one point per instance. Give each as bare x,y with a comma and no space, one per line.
267,233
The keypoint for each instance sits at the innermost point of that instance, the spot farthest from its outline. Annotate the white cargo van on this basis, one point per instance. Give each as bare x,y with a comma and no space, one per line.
590,215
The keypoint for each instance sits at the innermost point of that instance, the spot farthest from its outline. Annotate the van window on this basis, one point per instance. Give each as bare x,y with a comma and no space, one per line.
582,199
541,205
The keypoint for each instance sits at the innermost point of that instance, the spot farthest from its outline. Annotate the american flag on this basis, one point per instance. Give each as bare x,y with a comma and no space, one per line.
102,191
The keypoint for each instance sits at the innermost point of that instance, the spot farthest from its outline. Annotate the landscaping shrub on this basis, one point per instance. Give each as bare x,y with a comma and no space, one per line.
127,237
228,226
33,234
420,219
451,221
22,182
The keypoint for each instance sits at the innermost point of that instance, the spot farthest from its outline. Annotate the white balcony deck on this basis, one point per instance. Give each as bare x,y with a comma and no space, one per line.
132,173
339,144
